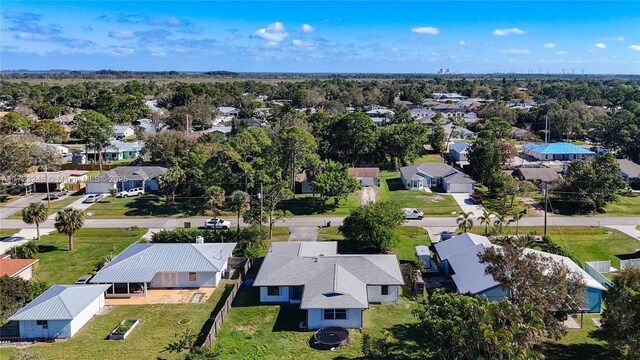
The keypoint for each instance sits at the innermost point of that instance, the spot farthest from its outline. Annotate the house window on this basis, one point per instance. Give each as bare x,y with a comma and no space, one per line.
43,323
335,314
192,276
273,290
384,290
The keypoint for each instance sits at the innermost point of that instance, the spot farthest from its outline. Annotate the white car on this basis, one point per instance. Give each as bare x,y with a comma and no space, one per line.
410,213
93,198
217,224
131,192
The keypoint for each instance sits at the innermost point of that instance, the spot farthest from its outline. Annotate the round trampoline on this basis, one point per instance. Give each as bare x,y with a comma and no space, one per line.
330,337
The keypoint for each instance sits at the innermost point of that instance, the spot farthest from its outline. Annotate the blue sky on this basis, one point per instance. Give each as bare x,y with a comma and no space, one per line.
264,36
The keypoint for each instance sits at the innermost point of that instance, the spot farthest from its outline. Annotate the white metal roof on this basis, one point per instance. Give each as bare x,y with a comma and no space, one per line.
60,302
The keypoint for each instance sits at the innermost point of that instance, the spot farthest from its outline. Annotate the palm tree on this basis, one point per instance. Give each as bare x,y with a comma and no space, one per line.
68,221
239,202
485,219
497,223
516,216
25,251
171,180
465,222
35,213
215,199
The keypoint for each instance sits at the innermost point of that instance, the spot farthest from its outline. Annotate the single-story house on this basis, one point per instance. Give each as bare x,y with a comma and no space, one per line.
123,131
458,151
126,177
457,132
366,176
66,119
39,181
521,134
146,266
60,311
303,183
333,289
556,151
629,170
228,111
536,174
118,150
147,126
459,258
220,129
430,175
21,268
59,148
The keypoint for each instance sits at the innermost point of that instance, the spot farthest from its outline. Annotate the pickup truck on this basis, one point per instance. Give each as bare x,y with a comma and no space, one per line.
410,213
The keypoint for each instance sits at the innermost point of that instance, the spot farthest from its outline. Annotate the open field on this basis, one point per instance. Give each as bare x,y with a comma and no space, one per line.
392,189
158,324
56,205
57,265
306,204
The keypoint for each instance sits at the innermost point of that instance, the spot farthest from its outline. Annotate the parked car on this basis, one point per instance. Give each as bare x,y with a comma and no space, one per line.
410,213
131,192
58,193
475,198
217,224
93,198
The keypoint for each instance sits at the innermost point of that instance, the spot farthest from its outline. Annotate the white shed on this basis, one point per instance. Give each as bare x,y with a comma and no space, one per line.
60,311
424,254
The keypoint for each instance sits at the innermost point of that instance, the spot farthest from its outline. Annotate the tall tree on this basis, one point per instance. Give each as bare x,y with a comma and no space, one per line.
297,148
13,122
215,199
168,147
438,139
621,316
14,292
334,180
374,225
35,213
403,143
49,131
238,201
274,194
95,130
465,221
171,180
485,160
353,138
485,219
68,221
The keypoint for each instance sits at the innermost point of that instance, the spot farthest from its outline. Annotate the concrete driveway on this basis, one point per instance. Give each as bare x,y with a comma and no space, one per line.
78,204
467,205
19,204
303,233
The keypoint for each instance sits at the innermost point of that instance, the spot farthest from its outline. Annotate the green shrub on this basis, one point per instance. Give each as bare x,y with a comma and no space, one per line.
250,239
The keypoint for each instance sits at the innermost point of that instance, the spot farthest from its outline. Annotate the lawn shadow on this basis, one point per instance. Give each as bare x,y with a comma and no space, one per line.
289,318
307,206
202,335
49,248
408,341
574,351
247,296
395,184
151,206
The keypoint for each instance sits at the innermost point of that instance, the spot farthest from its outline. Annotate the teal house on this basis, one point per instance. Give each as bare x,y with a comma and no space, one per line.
118,150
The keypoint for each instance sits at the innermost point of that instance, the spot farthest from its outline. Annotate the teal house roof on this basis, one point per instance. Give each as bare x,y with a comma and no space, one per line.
558,148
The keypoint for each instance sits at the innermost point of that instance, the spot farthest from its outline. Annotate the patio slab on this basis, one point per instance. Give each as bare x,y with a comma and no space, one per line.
164,296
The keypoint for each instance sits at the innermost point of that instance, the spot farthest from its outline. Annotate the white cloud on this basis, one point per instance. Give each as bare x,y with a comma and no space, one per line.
515,51
600,46
122,34
505,32
426,30
275,32
617,38
549,45
634,47
308,45
462,43
306,28
561,52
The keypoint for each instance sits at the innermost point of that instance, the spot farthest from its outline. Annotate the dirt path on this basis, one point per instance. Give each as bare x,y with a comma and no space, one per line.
368,195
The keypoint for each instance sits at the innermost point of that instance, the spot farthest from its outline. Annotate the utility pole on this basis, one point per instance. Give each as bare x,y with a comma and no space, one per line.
261,197
546,129
46,180
546,205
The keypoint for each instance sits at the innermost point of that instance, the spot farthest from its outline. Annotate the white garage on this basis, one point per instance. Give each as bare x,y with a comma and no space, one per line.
99,187
458,183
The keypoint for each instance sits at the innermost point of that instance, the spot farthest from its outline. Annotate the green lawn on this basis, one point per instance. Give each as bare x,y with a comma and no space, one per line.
306,204
392,189
584,243
5,233
158,324
628,204
410,236
148,205
577,344
280,233
56,205
57,265
428,158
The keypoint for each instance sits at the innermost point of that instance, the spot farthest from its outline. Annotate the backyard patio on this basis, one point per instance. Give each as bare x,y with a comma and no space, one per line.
166,296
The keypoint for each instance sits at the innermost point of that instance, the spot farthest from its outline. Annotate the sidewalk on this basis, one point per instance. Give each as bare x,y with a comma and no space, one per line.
627,229
21,237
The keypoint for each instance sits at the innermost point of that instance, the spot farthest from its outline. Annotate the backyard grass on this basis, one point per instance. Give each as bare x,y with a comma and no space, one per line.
428,158
306,204
280,233
56,205
158,324
405,249
577,344
582,242
392,189
57,265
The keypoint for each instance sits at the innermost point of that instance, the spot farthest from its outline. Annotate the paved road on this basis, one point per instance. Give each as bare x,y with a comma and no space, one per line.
170,223
17,205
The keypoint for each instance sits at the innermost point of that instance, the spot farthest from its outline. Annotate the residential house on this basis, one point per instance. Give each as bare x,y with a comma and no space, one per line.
431,175
522,134
147,266
458,151
60,312
629,170
118,150
126,177
521,104
59,148
538,175
123,131
420,112
303,183
556,151
366,176
380,115
458,257
39,181
451,97
67,119
147,126
333,289
14,268
458,132
229,111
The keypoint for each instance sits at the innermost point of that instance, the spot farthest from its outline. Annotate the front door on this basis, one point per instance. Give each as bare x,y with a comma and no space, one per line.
170,279
295,294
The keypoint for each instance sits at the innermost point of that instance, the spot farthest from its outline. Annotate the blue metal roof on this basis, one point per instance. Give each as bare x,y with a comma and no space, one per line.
460,146
558,148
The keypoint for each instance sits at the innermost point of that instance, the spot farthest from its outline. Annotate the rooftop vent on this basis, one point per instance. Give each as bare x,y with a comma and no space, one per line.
199,240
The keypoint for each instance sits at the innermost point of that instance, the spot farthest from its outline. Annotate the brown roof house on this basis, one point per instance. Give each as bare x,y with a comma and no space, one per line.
17,268
366,176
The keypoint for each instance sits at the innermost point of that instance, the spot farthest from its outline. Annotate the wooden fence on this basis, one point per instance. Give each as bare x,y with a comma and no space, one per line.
89,167
224,311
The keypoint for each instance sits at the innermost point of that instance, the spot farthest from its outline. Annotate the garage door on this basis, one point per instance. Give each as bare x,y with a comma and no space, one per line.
460,188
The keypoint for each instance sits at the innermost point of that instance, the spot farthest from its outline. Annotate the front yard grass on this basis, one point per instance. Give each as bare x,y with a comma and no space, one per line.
628,204
56,205
392,189
306,204
57,265
146,206
405,249
428,158
158,324
583,242
5,233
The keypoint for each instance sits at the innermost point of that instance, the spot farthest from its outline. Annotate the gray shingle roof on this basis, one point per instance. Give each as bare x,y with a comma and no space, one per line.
60,302
460,146
434,170
458,178
127,173
140,262
334,288
629,167
542,174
